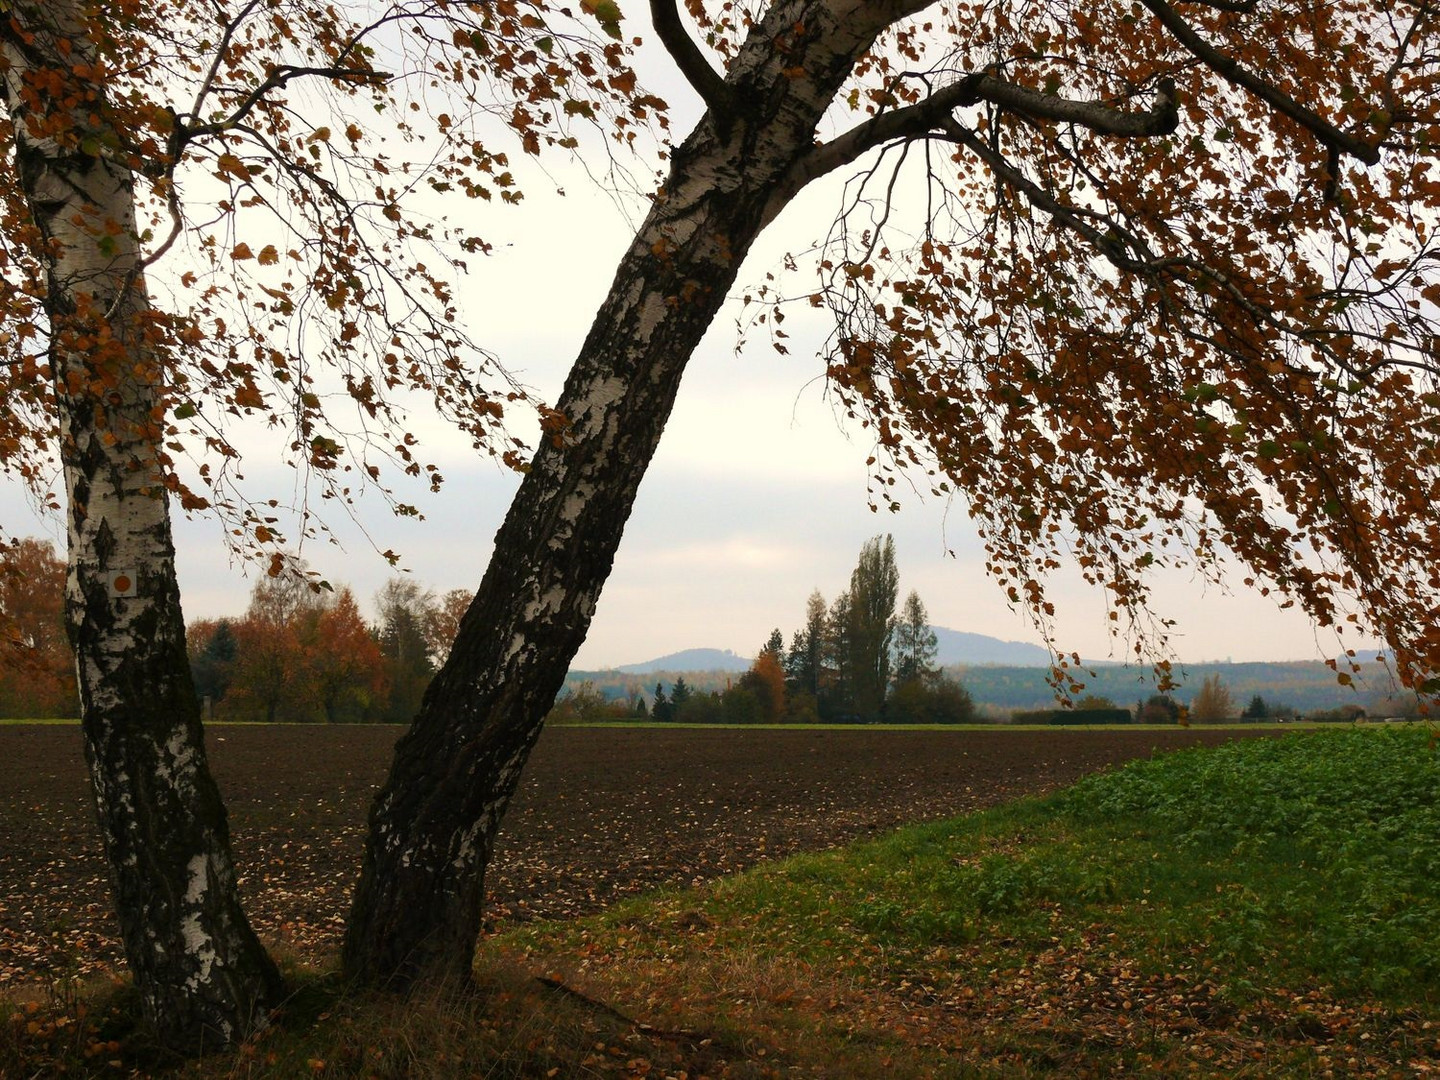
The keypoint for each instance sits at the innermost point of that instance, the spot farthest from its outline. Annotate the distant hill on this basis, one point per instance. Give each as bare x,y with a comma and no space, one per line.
690,660
1302,685
953,647
960,647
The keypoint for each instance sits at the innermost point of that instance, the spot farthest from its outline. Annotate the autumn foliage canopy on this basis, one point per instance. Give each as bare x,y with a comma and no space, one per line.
1170,265
1195,336
277,153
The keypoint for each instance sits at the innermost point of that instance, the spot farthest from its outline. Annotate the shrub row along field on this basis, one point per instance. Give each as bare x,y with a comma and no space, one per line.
1259,909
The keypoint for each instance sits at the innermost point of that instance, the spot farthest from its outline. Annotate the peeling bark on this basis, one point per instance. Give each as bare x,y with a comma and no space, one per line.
204,978
417,910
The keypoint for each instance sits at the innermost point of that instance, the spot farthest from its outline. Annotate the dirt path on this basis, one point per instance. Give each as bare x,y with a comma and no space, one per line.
601,813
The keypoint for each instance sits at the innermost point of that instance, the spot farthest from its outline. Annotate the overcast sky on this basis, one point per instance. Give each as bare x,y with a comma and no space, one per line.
757,495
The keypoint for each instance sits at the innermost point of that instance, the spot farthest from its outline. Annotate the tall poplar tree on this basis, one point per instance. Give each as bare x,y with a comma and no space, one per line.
874,587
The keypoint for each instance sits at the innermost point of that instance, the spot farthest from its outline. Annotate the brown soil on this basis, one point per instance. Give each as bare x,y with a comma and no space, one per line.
601,813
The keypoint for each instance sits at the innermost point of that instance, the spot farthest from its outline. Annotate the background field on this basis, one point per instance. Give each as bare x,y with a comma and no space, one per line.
601,813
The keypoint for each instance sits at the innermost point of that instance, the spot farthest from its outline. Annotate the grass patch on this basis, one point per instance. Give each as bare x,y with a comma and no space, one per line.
1260,909
1264,908
985,726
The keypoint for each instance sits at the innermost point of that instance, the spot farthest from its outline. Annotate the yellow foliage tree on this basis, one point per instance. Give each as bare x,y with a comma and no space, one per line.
1212,701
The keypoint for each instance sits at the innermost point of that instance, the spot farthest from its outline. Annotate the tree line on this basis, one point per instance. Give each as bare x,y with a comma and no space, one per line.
304,655
855,660
298,653
301,655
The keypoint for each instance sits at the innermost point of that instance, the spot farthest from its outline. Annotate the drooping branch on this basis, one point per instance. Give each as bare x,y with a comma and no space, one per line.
1100,230
1232,71
687,56
1129,253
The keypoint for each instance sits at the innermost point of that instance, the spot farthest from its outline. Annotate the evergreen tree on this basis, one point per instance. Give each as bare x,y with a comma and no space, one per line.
806,659
915,642
662,710
679,693
214,665
797,672
405,611
775,646
835,676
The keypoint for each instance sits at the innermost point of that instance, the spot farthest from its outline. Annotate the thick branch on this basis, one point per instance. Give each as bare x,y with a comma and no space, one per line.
687,56
910,122
1098,117
1231,70
933,113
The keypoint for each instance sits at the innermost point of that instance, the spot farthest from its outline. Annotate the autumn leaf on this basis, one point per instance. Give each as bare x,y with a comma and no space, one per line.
607,14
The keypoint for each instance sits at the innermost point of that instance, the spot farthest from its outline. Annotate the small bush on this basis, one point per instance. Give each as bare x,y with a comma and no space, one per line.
930,701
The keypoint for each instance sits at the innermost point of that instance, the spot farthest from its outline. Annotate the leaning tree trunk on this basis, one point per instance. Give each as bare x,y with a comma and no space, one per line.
417,909
203,976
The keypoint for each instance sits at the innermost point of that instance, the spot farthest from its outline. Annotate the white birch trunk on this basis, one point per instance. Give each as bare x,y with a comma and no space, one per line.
204,978
417,910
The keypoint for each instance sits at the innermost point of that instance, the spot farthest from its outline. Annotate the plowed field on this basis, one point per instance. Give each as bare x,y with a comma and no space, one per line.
601,813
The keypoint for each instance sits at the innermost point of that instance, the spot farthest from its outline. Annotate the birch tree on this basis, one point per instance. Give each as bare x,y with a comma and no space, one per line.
165,142
1169,294
201,971
1142,282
